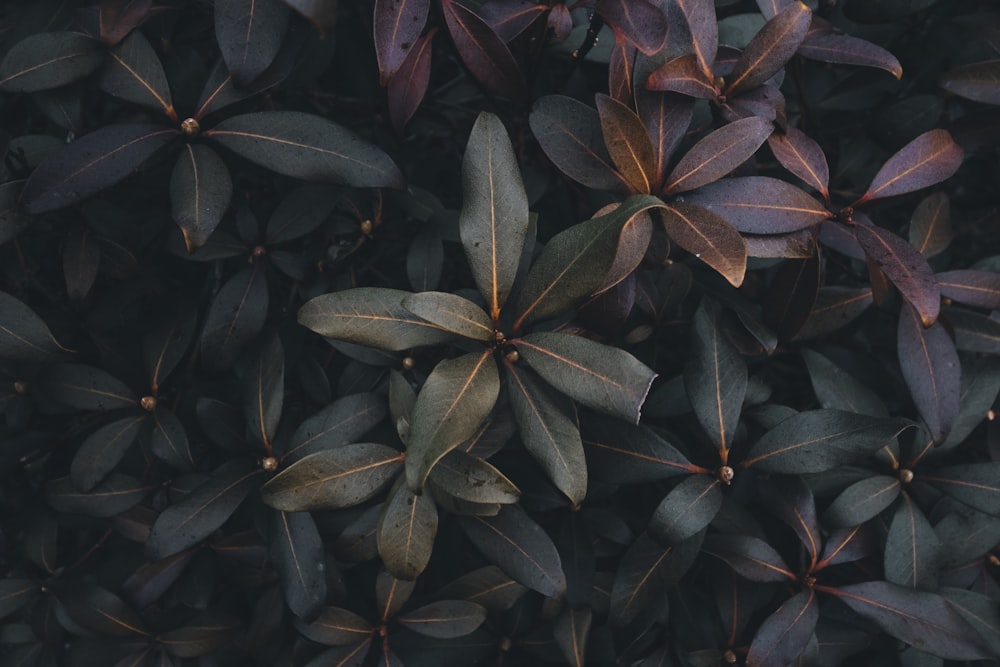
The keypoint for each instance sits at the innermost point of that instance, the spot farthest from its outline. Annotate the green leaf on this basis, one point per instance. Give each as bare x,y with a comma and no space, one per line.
336,627
912,548
548,429
264,392
189,521
518,546
571,631
454,401
861,501
931,369
645,573
494,217
820,440
451,312
980,611
472,479
23,334
342,422
86,388
406,532
308,147
49,60
296,549
236,316
304,209
686,510
625,453
784,635
165,345
208,631
97,609
111,497
134,73
168,440
249,34
980,386
15,593
333,478
200,192
445,619
975,484
487,586
837,389
372,316
604,378
13,219
575,262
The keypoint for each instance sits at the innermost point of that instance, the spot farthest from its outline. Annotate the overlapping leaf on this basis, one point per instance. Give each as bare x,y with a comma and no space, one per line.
49,60
929,159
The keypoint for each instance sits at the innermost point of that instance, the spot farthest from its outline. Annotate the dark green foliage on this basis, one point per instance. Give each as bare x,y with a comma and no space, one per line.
499,332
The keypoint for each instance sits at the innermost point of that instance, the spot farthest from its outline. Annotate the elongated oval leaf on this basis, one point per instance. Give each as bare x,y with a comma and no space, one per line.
445,619
834,307
296,549
494,218
456,398
770,48
750,557
905,267
641,22
683,75
336,627
49,60
406,532
372,316
800,154
86,388
92,163
709,237
23,334
97,609
168,440
931,370
572,632
827,44
236,316
686,510
976,81
627,143
470,478
645,574
398,24
719,153
15,593
835,388
930,158
342,422
200,191
861,501
306,146
703,30
912,548
974,484
408,86
819,440
930,226
971,287
333,478
606,379
784,635
792,295
760,205
629,454
666,118
519,547
249,33
165,345
264,392
483,52
134,73
116,494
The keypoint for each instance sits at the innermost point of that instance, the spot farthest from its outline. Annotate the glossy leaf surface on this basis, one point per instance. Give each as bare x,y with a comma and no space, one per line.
709,237
760,205
134,73
200,191
930,158
718,154
770,48
905,267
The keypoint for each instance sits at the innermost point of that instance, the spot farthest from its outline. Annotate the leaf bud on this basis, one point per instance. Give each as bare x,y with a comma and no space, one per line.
269,463
726,475
20,387
512,356
409,363
905,475
190,127
148,403
366,227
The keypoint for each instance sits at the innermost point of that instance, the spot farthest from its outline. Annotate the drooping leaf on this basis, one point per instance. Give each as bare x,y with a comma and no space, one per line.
770,48
978,81
912,548
408,86
571,631
406,531
116,494
760,205
683,75
49,60
456,398
930,226
923,620
547,426
445,619
97,609
200,192
494,218
236,316
92,163
624,453
397,28
715,377
333,478
974,484
470,478
134,73
483,52
783,636
645,573
819,440
718,153
929,159
249,34
519,547
703,29
168,440
296,549
336,627
971,287
628,144
192,519
931,370
308,147
641,22
709,237
905,267
800,154
24,336
686,510
827,44
86,388
837,389
603,378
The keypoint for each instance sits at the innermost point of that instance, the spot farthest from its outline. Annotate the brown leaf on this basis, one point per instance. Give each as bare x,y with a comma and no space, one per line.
905,267
770,49
708,237
718,154
683,75
627,142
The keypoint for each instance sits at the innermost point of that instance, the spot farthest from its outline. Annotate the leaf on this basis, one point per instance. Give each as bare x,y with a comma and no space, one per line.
408,85
249,34
666,118
820,440
645,573
923,620
980,611
571,631
931,370
470,478
336,627
23,334
397,28
425,260
927,160
930,226
715,377
208,631
750,557
15,593
168,440
603,378
686,510
834,307
118,19
165,346
236,316
453,313
974,484
576,262
784,635
547,426
264,392
445,619
703,29
307,147
134,73
494,218
406,531
116,494
92,163
627,143
195,517
518,546
296,549
49,60
86,388
718,153
97,609
81,259
624,453
792,295
483,52
709,237
392,594
862,501
641,22
333,478
971,287
980,385
979,81
770,49
301,211
837,389
800,154
792,501
372,316
200,192
973,332
912,549
683,75
827,44
905,267
760,205
454,401
570,134
487,586
846,545
510,19
13,219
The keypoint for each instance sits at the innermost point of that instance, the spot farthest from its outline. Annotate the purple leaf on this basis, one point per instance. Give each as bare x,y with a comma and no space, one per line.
973,288
927,160
718,154
770,49
800,154
639,22
483,52
931,370
825,43
398,24
407,87
761,205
